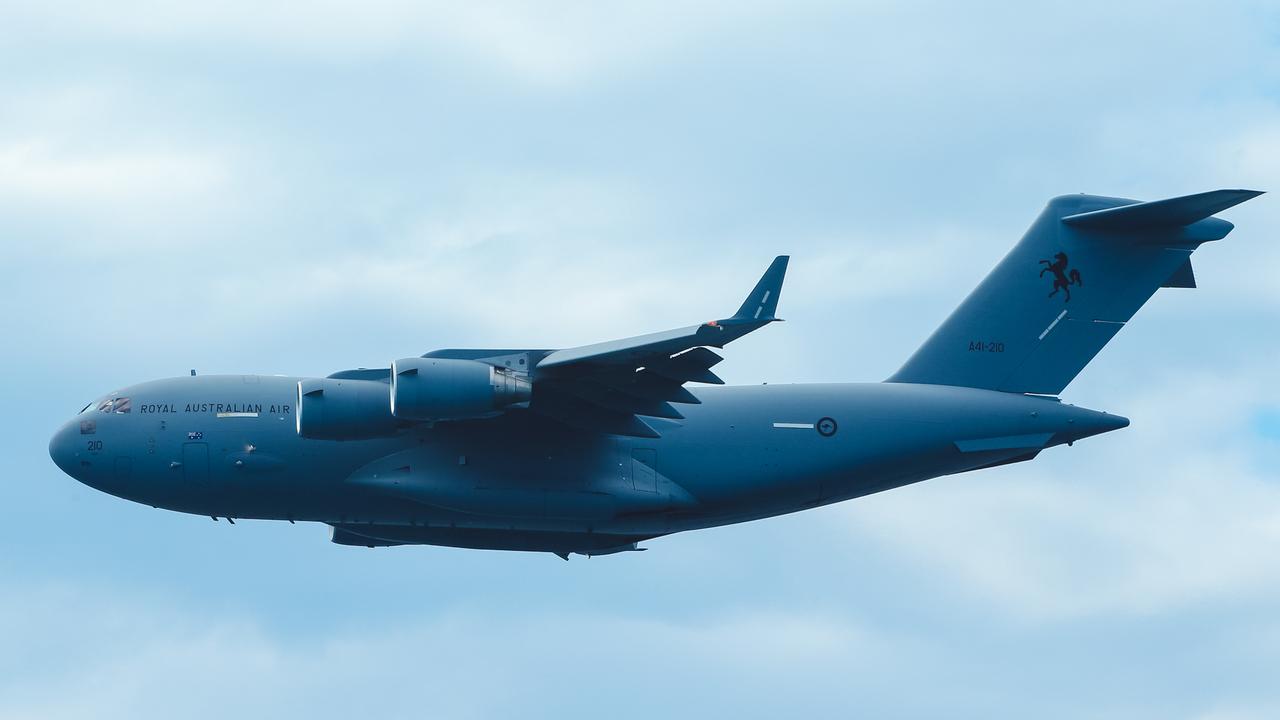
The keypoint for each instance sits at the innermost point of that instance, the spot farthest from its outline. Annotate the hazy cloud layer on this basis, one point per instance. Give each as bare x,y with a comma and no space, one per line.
250,187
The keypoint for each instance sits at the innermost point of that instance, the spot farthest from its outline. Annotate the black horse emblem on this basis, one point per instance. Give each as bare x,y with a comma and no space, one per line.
1063,279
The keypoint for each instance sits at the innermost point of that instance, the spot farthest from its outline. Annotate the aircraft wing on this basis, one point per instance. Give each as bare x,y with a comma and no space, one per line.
606,386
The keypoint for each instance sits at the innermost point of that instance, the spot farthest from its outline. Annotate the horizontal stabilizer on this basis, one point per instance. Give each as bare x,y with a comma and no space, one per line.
1170,212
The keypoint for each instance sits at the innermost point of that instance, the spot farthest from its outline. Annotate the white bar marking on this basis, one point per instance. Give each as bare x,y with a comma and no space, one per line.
1053,324
237,414
794,426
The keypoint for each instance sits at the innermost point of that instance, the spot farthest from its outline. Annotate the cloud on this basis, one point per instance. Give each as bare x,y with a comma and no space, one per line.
33,172
241,187
1170,514
88,171
527,42
94,651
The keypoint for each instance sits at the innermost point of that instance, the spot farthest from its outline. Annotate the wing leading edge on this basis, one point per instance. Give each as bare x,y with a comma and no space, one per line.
606,386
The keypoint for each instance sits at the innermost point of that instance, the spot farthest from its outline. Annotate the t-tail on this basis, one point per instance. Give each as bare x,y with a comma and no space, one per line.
1079,274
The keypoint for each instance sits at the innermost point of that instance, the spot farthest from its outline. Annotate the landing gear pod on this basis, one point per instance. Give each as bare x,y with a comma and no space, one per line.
331,409
430,389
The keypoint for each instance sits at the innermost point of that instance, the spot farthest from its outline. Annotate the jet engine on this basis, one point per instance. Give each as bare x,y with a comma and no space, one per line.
342,409
430,389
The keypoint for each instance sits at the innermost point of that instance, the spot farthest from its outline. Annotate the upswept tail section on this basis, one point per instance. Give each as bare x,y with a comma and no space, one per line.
1078,275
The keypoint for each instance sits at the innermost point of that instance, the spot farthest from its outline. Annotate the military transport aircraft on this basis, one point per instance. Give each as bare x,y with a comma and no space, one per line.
593,449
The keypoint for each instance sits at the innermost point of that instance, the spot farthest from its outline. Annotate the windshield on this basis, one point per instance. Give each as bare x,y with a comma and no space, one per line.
119,406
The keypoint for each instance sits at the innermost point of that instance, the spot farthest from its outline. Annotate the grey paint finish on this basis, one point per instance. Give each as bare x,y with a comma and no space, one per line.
545,475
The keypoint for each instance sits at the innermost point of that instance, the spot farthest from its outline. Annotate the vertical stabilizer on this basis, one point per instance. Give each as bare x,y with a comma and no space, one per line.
1079,274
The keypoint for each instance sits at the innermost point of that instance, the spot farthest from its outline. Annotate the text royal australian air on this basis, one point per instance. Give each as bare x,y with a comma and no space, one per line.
594,449
247,408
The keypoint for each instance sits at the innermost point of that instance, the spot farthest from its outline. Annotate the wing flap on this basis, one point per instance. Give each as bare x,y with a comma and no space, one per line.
585,415
611,398
1183,277
691,366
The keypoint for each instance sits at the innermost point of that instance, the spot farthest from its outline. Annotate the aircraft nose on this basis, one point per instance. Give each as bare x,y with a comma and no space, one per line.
62,448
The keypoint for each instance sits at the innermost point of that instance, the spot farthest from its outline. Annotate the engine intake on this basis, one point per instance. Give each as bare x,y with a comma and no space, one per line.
430,389
330,409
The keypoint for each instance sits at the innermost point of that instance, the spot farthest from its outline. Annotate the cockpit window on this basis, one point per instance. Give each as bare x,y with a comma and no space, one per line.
118,406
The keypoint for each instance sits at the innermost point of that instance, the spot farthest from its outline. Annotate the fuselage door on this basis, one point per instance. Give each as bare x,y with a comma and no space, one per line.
195,462
644,469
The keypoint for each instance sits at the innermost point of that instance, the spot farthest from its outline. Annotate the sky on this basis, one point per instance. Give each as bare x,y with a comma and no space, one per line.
259,187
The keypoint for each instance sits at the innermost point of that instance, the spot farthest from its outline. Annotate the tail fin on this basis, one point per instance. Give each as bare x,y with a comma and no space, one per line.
1082,270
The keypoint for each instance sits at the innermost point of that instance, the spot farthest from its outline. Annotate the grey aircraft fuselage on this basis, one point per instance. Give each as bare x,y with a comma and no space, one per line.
581,450
226,446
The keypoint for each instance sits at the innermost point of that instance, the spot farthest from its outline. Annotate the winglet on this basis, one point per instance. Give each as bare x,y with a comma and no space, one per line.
763,300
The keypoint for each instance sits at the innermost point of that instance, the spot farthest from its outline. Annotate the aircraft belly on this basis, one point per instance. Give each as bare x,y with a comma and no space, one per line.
475,479
560,542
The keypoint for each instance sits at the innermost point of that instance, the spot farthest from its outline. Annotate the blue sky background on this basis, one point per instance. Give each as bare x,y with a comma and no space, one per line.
251,187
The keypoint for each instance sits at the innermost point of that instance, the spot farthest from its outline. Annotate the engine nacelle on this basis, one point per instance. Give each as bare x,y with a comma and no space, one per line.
331,409
430,389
